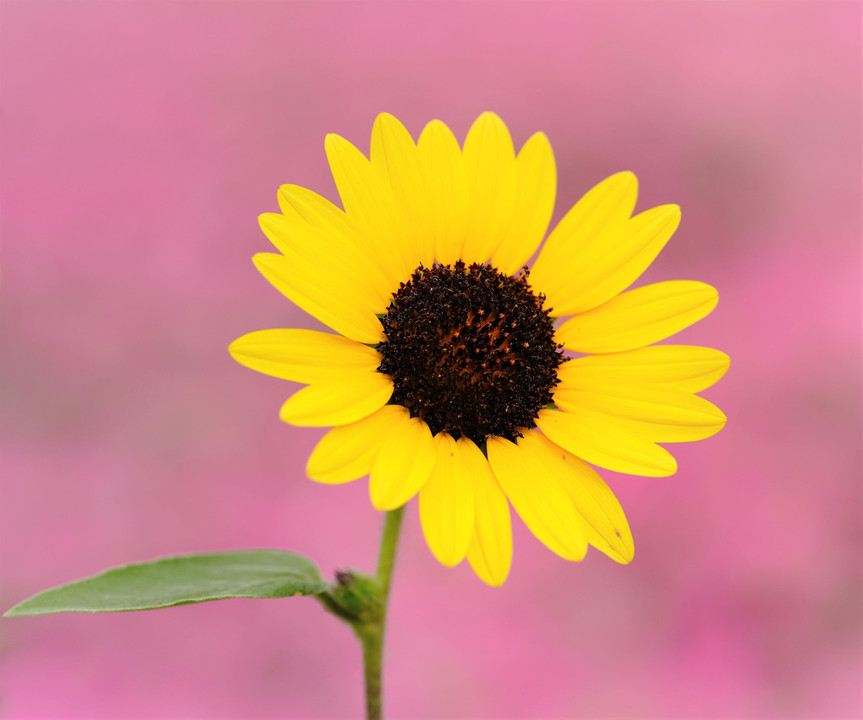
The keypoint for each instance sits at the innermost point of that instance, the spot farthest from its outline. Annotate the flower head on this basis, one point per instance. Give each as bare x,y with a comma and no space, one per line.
457,373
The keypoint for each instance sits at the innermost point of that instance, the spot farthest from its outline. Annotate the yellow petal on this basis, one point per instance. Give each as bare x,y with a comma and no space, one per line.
590,436
333,304
658,413
638,317
533,486
403,465
394,154
607,528
370,208
336,235
348,452
612,260
685,367
490,550
332,256
447,187
344,399
490,161
304,356
447,503
604,208
536,184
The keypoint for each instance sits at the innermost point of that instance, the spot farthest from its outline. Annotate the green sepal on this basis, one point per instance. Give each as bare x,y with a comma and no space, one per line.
181,580
358,596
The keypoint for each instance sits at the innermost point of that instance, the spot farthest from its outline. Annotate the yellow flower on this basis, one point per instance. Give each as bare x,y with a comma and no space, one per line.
447,375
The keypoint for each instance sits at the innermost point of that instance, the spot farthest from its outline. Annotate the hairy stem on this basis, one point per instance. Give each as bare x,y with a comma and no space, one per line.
372,635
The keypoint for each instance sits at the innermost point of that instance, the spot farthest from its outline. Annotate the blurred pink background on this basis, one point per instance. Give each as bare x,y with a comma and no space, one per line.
140,142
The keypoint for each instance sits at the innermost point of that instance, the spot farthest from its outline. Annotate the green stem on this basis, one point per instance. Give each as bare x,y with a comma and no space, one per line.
372,636
387,555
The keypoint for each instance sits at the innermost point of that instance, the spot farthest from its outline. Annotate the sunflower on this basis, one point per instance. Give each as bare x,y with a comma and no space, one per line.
458,373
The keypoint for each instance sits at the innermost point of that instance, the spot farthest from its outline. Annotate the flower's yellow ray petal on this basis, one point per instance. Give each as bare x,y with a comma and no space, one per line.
658,413
310,287
403,464
338,401
684,367
612,260
594,438
348,452
490,161
304,356
395,155
534,488
536,184
337,235
638,317
288,233
447,187
333,256
370,208
607,528
291,213
605,208
447,503
490,550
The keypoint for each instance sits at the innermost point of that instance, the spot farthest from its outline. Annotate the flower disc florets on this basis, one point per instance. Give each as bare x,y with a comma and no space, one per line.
470,351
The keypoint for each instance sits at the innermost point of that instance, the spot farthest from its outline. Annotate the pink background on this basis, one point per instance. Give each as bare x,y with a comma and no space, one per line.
141,140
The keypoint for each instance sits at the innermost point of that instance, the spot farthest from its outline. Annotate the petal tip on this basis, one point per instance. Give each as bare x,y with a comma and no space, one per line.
625,177
287,413
313,471
488,124
268,220
494,581
669,214
389,119
668,468
283,194
235,349
489,115
627,558
264,260
449,561
384,504
334,142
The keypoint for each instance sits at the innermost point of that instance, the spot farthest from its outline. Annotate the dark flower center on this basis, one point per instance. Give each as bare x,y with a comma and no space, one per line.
470,351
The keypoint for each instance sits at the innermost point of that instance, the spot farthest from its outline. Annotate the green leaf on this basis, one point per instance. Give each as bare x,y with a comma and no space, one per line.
181,580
